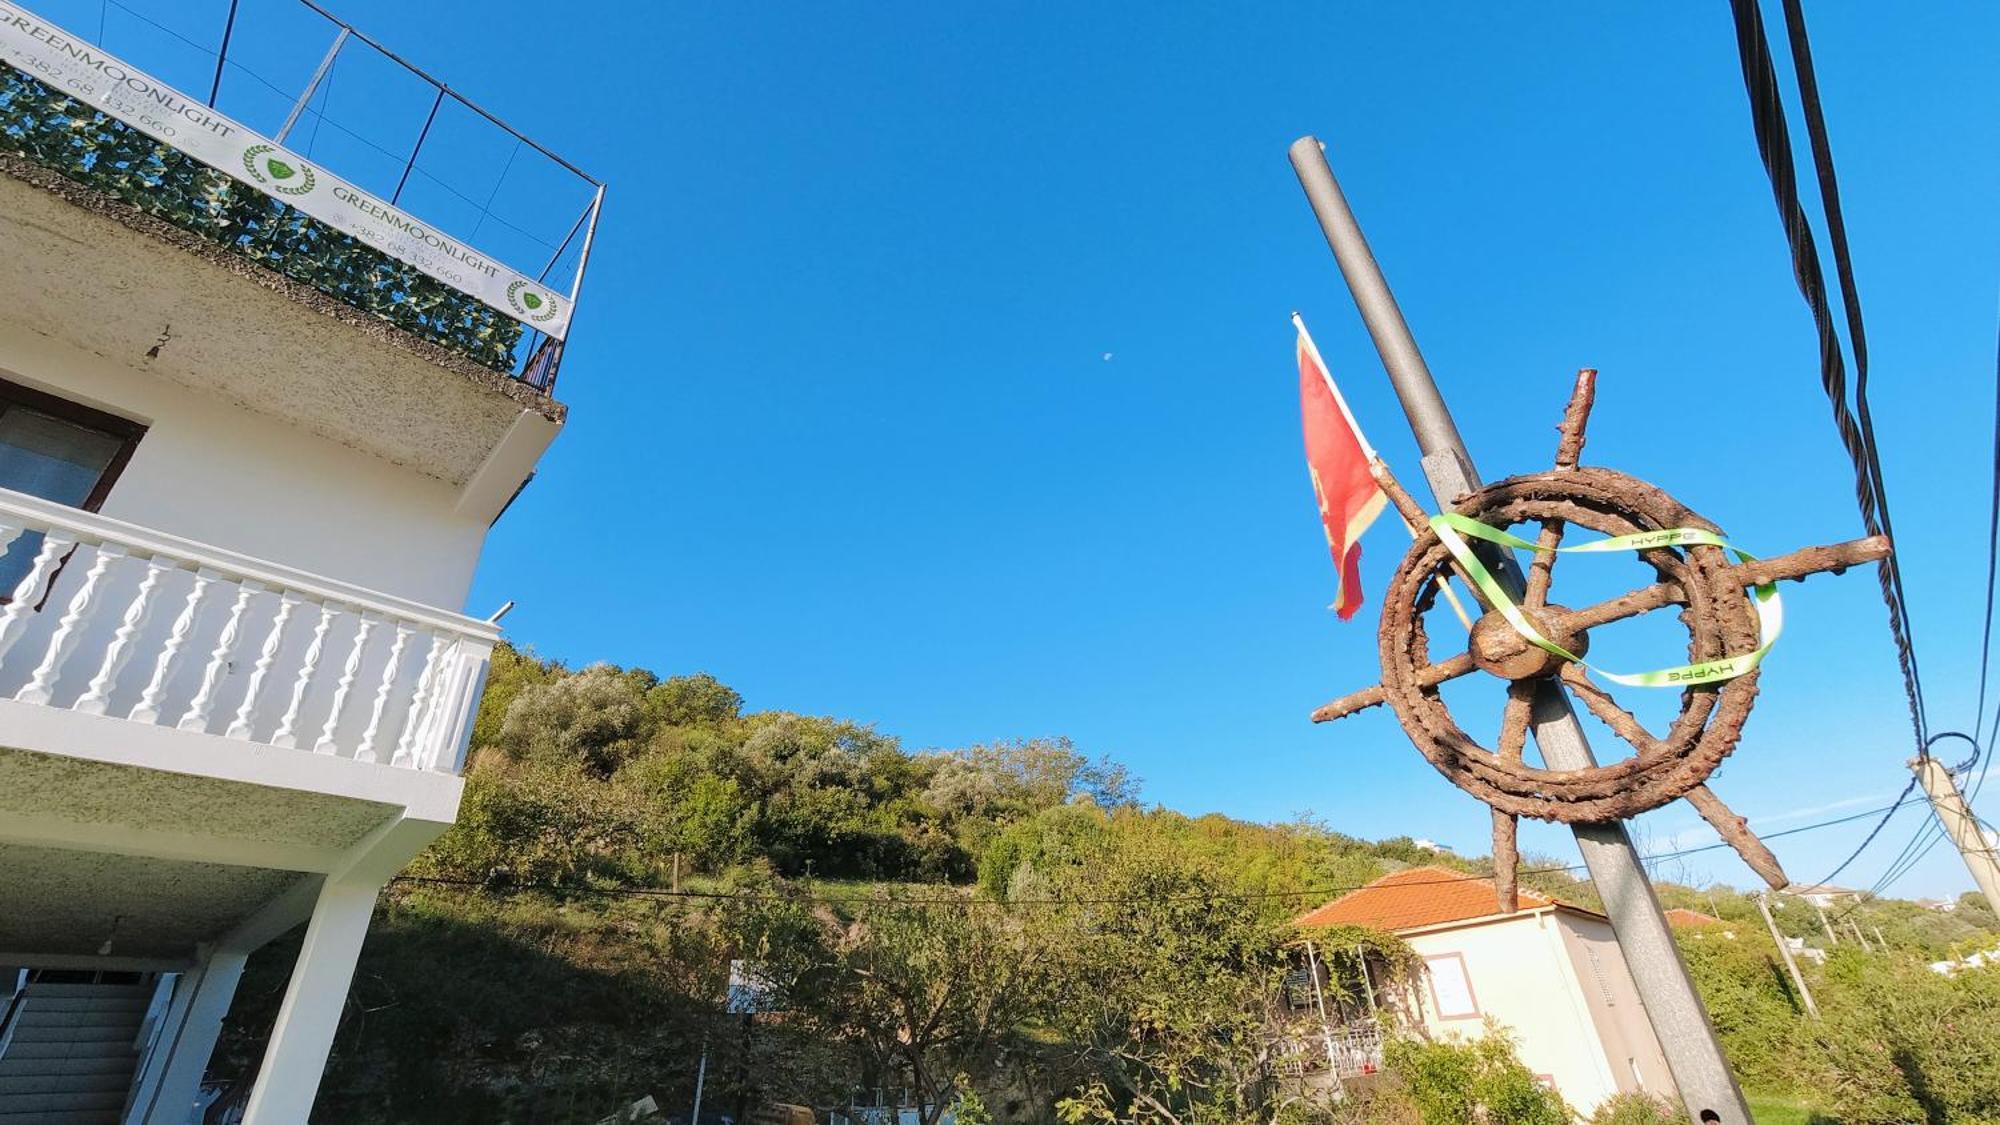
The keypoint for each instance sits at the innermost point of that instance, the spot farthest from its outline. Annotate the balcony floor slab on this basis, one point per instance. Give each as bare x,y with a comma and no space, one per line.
187,310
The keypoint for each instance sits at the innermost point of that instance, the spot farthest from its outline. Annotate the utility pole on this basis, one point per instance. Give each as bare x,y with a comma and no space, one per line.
1960,825
1785,951
1832,939
1681,1023
1854,928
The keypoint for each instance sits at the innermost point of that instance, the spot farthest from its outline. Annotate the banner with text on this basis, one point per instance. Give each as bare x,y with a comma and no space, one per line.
53,56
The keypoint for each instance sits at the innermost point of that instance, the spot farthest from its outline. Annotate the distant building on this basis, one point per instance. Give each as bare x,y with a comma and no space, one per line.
1824,895
1698,923
1970,961
1551,973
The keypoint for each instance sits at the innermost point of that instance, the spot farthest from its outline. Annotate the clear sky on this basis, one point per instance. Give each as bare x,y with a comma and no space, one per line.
933,367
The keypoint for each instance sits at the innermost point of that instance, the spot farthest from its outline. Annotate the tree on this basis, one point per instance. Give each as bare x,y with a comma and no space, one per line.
923,990
1173,992
595,717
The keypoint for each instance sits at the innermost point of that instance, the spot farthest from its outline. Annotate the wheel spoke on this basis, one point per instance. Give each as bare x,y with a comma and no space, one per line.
1644,600
1622,722
1541,569
1735,831
1795,566
1430,676
1514,720
1506,861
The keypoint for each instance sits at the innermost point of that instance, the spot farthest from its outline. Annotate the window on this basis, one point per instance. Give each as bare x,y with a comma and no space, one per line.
1451,987
56,450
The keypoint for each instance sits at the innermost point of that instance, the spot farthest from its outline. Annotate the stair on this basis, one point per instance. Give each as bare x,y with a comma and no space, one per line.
71,1059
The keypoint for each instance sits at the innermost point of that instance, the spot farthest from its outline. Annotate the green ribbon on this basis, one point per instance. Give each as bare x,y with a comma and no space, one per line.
1770,611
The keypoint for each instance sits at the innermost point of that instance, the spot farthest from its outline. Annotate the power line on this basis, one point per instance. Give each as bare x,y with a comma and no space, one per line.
1855,426
1901,799
629,891
1931,832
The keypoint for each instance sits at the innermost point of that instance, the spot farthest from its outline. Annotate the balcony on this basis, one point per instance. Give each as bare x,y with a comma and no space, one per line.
1343,1051
337,301
187,730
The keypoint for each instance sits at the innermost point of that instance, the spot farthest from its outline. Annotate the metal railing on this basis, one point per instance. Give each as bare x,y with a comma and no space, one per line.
538,203
12,1018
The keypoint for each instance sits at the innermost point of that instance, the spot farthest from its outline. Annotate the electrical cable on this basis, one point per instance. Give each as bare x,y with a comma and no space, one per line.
1857,436
1931,832
1807,77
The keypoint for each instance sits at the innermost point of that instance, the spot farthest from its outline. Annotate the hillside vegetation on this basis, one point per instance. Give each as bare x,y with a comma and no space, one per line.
1005,928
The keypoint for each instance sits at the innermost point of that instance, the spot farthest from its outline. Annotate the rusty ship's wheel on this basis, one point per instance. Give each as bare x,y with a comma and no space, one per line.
1705,585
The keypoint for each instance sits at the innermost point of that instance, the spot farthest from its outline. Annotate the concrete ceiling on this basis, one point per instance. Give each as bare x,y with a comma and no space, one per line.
190,311
60,903
128,799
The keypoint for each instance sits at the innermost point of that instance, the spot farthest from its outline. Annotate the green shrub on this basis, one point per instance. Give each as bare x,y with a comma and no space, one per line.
1898,1043
1638,1109
1458,1081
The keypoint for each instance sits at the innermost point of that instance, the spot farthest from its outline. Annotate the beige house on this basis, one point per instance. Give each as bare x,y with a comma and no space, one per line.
1550,973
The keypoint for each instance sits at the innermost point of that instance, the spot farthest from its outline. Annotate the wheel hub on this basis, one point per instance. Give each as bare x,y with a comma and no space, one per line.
1497,647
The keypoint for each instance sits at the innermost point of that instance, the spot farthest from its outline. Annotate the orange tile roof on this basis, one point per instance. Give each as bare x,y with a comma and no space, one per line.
1418,897
1685,918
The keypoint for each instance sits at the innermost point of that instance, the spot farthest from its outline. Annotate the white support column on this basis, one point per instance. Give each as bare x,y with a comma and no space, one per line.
166,1093
288,1081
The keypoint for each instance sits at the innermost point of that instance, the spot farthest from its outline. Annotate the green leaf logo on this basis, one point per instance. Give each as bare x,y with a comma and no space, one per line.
530,305
266,167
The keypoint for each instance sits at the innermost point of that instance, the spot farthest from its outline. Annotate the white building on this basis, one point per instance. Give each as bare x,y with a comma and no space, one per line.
1824,895
239,515
1549,973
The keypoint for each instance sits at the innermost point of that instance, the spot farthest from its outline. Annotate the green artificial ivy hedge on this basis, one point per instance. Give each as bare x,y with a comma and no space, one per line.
93,148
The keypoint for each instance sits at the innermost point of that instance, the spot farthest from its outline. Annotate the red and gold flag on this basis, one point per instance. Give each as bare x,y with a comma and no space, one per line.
1338,457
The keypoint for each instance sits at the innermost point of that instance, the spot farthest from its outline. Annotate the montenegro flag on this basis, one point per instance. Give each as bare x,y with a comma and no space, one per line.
1338,458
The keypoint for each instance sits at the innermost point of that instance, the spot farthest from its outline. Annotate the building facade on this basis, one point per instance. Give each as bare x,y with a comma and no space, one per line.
1550,974
244,484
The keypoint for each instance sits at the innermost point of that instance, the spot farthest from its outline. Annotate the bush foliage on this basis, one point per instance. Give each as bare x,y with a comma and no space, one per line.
1005,928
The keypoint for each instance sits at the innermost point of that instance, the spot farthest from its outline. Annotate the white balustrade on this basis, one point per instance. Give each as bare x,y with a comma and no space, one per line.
260,650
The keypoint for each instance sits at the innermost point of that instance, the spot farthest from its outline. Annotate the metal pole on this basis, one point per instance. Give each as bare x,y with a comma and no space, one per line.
1325,1026
420,72
418,147
1785,951
573,228
1960,824
222,56
583,255
312,87
700,1075
1679,1021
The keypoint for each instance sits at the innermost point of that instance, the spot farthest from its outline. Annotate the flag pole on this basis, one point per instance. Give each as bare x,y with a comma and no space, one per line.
1340,400
1666,991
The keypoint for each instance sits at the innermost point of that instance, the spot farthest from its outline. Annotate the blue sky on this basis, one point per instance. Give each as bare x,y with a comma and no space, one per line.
933,367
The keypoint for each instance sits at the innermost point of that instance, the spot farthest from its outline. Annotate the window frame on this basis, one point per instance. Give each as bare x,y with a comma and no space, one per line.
125,430
1465,973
